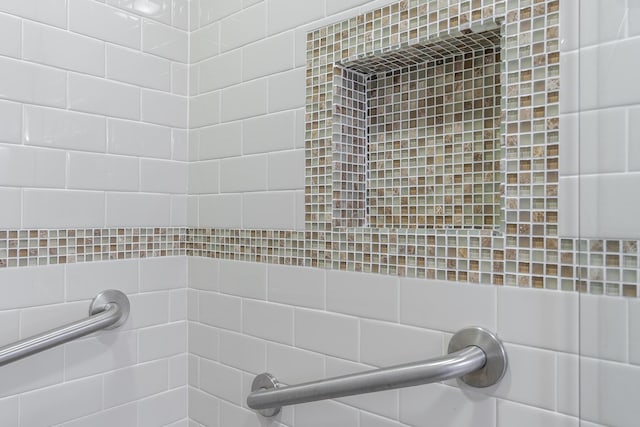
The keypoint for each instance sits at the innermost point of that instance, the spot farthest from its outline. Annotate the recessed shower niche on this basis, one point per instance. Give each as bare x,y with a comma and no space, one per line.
416,138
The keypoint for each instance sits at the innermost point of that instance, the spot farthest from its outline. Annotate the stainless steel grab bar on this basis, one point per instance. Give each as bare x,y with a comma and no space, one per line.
108,310
476,356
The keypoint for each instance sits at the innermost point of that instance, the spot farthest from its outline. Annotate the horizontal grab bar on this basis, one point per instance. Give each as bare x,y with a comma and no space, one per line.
475,355
108,310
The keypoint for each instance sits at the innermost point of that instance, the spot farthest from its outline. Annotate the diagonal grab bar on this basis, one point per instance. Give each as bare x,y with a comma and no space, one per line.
108,310
475,355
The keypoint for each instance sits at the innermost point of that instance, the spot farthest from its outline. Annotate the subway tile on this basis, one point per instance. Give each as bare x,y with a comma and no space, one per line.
530,377
51,12
569,205
53,128
163,409
165,41
268,56
203,408
601,23
386,344
269,210
221,381
605,211
204,110
602,141
634,331
570,145
163,108
205,42
163,273
273,322
633,155
219,71
203,177
519,319
437,404
9,327
134,383
567,384
325,413
62,49
569,26
605,392
31,287
181,144
243,27
285,14
204,341
180,14
9,411
31,167
162,341
241,174
11,122
286,170
179,79
35,320
336,6
370,420
603,327
214,10
303,287
570,65
243,352
104,22
178,368
147,309
138,210
88,171
105,352
62,209
292,365
287,90
178,305
269,133
137,68
99,96
179,211
32,83
163,176
50,406
361,294
139,139
34,372
10,215
327,333
86,280
233,415
203,273
224,140
221,311
447,306
193,370
244,100
119,416
10,36
220,211
159,10
510,414
245,279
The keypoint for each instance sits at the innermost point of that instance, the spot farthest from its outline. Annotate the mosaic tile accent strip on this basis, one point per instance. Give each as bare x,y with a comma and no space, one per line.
22,248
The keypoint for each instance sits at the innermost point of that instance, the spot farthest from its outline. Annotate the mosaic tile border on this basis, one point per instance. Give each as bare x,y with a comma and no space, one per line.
608,266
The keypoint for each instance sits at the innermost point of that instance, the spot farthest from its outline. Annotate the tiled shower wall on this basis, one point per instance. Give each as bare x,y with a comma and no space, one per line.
93,138
304,323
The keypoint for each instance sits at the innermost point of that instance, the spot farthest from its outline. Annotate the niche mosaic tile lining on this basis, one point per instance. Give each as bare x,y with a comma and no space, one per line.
527,253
